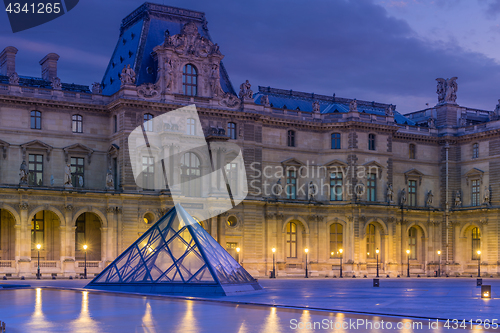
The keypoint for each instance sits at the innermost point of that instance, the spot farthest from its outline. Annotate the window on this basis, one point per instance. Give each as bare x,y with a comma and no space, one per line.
291,183
372,187
412,193
36,120
232,221
412,242
336,141
336,186
231,130
77,123
190,175
232,177
476,243
148,125
291,240
291,138
80,239
189,80
370,241
148,173
37,230
77,175
115,172
115,123
190,129
476,183
371,141
335,239
36,170
412,151
475,150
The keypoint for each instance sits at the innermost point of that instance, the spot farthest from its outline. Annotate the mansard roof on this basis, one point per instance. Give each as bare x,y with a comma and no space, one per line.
140,33
296,100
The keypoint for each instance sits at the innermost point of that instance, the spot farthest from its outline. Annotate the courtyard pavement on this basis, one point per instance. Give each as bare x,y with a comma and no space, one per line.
303,300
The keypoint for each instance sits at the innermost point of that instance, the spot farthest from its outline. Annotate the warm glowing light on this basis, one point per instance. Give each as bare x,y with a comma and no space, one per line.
478,252
341,251
377,251
85,247
274,250
39,246
439,252
238,249
307,250
367,253
408,251
331,254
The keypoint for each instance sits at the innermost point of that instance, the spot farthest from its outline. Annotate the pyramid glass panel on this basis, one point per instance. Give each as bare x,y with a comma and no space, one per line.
176,251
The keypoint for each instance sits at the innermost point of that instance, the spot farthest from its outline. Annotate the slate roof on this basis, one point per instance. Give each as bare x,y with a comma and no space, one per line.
36,82
295,100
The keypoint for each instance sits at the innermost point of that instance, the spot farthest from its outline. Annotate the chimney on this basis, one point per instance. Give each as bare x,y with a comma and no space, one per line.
8,61
49,66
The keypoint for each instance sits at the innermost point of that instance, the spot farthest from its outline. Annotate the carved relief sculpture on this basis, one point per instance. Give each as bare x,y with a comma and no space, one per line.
147,90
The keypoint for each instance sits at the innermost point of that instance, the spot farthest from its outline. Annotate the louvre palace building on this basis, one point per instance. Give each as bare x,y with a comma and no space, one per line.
348,180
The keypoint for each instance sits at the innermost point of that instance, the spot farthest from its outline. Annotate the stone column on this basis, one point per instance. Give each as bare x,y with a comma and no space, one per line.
23,254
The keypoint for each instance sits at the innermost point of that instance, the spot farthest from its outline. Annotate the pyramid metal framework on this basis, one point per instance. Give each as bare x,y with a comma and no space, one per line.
176,256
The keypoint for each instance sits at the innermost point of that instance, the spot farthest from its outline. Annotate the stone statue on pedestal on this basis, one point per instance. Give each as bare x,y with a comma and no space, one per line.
447,90
430,196
128,75
23,174
353,106
67,176
110,183
264,100
312,191
458,200
486,196
316,107
245,91
403,197
390,194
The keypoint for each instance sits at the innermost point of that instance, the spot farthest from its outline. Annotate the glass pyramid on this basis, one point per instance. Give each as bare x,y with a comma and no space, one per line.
176,256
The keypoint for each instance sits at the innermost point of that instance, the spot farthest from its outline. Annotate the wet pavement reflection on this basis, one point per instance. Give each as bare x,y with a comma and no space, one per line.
51,310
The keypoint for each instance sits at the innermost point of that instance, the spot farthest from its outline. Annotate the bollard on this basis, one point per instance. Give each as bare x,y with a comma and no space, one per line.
70,277
4,277
479,282
22,277
376,282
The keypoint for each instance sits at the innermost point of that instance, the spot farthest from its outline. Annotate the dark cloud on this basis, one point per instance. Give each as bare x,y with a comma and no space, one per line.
492,8
352,48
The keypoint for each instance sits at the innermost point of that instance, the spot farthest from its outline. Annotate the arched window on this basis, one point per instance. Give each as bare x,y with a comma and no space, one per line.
412,242
232,221
291,240
36,120
190,175
231,130
190,80
335,140
336,186
291,138
77,123
148,125
476,243
371,141
190,129
148,218
370,241
38,230
475,150
336,242
412,151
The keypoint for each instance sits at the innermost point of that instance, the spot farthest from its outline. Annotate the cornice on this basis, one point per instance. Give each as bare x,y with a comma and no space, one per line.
36,101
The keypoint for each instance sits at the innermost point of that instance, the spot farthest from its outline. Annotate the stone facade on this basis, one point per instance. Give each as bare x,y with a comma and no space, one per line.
442,164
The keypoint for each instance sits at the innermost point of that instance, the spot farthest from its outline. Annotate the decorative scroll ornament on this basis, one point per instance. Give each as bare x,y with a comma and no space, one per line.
147,90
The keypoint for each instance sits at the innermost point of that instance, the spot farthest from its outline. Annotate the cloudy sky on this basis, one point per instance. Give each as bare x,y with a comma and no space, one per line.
388,51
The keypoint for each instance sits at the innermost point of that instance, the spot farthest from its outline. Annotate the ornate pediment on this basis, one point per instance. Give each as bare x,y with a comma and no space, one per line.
78,149
336,163
414,173
113,149
474,173
291,162
36,145
4,146
190,42
372,166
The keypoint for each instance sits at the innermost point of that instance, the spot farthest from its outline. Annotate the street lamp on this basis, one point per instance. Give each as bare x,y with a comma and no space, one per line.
439,269
306,250
478,263
376,251
408,270
273,275
238,254
85,267
341,261
38,246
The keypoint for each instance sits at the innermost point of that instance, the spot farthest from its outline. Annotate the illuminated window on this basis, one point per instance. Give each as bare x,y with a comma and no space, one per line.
336,241
189,80
476,243
291,240
370,241
232,221
37,230
412,242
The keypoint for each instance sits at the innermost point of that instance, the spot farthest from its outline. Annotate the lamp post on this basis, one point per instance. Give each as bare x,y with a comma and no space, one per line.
478,264
408,269
439,269
38,246
238,254
341,261
85,266
376,251
273,275
306,250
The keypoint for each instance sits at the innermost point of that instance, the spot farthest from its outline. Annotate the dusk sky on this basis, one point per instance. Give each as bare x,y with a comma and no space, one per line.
381,50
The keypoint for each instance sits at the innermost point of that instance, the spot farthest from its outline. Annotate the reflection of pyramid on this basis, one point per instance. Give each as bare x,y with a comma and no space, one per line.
176,256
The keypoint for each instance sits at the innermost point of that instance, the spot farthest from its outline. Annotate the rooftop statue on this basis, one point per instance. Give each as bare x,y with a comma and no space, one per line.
353,106
447,90
128,75
245,91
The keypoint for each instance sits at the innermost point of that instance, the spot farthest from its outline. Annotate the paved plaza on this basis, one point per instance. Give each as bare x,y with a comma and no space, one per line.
286,305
